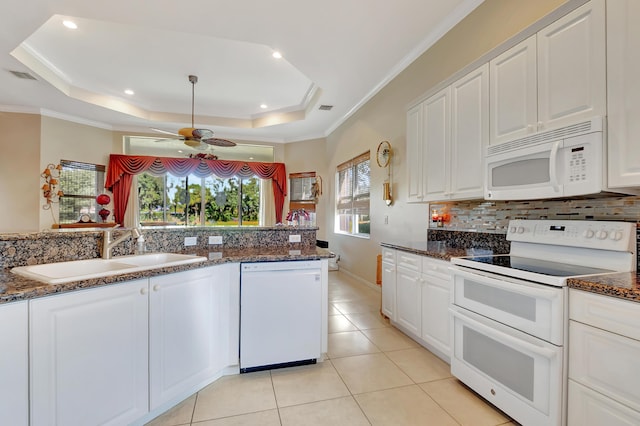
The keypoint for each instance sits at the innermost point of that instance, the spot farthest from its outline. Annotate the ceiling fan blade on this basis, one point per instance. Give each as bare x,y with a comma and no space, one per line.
164,131
219,142
202,133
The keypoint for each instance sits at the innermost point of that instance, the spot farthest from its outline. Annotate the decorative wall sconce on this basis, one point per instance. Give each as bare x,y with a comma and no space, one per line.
383,159
50,188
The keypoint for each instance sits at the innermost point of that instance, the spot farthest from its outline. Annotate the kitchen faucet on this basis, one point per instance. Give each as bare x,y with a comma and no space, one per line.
107,244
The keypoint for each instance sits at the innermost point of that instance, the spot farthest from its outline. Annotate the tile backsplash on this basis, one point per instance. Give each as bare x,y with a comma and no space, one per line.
494,216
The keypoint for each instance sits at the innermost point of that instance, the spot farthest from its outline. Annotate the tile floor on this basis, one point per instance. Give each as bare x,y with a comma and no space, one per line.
375,375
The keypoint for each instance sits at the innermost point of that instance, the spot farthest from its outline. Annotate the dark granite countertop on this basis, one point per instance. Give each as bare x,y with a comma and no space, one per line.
624,285
435,249
14,287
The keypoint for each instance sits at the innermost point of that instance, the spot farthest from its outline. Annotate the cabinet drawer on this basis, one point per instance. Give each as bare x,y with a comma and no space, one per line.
589,408
605,362
436,268
409,261
615,315
389,255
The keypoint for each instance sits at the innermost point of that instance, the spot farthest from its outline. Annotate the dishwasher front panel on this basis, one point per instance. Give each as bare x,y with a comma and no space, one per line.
280,316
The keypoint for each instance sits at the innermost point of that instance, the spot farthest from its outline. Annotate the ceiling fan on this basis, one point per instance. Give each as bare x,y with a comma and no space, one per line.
197,138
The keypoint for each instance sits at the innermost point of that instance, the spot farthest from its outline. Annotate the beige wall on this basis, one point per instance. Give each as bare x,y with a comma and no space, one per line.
64,140
20,172
307,156
384,118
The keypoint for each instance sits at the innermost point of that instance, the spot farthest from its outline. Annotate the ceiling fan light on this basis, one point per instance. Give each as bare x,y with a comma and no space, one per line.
193,143
187,132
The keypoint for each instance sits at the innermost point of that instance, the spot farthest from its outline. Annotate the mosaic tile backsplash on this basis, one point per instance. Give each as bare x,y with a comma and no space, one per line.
494,216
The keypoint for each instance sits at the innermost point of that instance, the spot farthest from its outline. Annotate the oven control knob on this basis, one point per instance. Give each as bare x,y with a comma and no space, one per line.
616,235
602,235
588,233
512,230
520,230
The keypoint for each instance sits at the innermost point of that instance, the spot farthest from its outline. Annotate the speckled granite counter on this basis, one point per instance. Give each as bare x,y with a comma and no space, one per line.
435,249
14,288
624,285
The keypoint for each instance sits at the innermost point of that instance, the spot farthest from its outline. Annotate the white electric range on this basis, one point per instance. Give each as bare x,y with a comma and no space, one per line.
509,312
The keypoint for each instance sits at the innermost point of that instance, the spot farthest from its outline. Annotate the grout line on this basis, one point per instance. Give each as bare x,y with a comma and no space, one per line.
193,412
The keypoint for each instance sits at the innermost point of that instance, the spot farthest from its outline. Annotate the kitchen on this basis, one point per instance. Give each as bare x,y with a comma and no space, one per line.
382,118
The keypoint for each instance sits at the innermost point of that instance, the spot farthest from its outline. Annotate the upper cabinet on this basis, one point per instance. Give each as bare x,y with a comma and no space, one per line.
446,136
623,92
552,79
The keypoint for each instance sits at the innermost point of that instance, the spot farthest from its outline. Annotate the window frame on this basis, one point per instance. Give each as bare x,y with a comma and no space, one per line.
98,188
353,202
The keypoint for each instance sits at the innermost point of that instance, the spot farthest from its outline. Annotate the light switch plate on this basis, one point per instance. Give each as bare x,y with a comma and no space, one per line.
190,241
294,238
215,239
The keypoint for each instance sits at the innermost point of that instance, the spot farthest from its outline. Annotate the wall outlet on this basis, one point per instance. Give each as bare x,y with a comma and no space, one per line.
190,241
294,238
215,239
386,220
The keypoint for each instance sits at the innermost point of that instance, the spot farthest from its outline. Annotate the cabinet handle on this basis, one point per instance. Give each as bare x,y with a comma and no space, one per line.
530,128
540,125
156,287
143,291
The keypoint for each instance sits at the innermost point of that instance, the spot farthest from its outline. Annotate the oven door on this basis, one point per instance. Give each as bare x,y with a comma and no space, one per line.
516,372
534,308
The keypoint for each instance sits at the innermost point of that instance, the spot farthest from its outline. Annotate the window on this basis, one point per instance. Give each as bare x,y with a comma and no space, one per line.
352,193
81,184
195,201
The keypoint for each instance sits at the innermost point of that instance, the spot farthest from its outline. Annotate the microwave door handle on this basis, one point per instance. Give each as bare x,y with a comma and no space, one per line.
553,166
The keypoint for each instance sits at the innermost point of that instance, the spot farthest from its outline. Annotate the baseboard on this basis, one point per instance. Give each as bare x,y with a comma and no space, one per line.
362,280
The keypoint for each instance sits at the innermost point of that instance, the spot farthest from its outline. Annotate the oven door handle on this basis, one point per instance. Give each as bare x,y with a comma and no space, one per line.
534,290
503,337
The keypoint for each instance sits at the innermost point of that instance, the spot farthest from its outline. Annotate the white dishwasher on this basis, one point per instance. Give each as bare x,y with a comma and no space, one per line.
280,314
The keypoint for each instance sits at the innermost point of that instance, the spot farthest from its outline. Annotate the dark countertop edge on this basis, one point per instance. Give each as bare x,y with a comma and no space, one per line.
440,253
622,285
35,289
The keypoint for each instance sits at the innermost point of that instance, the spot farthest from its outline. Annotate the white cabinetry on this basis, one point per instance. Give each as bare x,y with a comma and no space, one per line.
446,136
435,304
389,283
604,346
421,287
408,286
415,155
89,359
623,92
187,347
14,364
555,78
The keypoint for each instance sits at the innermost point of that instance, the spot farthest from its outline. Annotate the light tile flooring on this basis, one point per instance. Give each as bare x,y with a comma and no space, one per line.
375,375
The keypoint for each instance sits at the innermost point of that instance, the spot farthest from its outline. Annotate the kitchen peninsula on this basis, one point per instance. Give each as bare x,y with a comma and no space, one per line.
124,348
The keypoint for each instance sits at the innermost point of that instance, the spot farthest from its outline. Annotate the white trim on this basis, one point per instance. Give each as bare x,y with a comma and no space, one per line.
74,119
459,13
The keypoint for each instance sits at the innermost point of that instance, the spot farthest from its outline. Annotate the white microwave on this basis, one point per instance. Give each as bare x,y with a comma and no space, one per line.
564,162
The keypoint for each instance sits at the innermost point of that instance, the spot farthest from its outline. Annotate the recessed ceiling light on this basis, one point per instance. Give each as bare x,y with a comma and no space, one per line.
276,54
180,151
250,158
70,24
129,92
263,106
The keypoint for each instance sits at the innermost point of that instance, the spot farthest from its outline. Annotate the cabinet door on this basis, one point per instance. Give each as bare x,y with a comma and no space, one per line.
513,99
415,157
572,67
89,356
389,290
408,283
14,364
437,132
435,312
469,133
184,340
623,92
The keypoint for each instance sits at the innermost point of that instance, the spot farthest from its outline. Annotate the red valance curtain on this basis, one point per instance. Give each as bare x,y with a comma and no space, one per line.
123,167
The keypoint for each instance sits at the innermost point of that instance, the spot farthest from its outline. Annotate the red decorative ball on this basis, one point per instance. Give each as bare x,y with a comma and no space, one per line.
103,199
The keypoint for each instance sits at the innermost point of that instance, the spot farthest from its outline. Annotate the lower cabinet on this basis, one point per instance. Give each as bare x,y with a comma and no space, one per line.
110,355
604,346
14,360
418,287
187,343
89,356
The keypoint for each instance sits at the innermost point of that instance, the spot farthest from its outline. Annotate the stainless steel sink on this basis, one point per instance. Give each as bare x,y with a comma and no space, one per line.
64,272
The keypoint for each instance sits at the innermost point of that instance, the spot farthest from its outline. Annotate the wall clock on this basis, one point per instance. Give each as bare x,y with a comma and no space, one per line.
384,154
